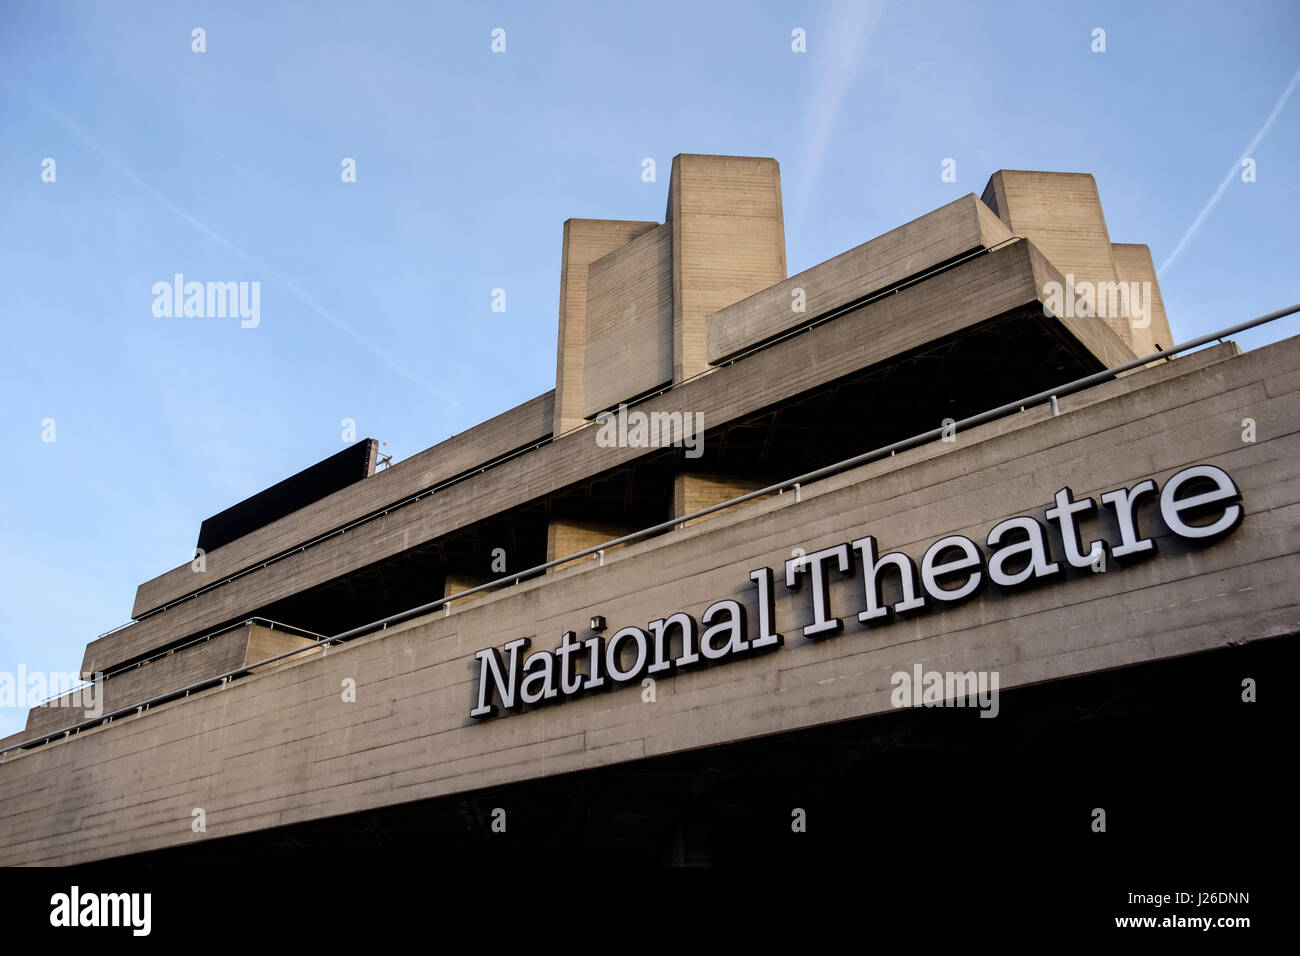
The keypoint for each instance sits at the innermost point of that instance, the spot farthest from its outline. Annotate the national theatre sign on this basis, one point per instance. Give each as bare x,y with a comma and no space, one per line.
953,568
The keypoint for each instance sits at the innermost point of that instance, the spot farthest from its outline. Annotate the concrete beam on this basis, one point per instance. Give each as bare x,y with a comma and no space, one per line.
962,226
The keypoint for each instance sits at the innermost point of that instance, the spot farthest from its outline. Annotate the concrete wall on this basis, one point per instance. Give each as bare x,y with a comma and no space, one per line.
723,243
569,535
585,241
224,652
455,583
265,642
1133,264
988,286
282,747
629,321
728,243
1061,213
962,226
521,425
695,491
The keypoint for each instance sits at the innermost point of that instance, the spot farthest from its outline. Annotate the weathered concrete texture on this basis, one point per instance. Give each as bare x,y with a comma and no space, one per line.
1096,334
238,647
629,321
1061,213
725,240
990,285
728,243
1133,264
585,241
522,425
278,748
569,535
455,583
267,642
693,491
962,226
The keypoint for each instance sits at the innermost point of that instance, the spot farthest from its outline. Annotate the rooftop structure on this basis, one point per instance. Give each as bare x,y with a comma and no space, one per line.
691,370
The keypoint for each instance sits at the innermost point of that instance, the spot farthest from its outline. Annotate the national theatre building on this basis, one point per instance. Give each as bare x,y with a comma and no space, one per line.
944,545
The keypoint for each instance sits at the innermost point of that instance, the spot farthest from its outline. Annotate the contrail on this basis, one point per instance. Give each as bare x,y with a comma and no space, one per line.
844,34
293,288
1233,171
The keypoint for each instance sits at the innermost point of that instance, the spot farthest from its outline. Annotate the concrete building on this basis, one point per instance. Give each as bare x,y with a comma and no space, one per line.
734,669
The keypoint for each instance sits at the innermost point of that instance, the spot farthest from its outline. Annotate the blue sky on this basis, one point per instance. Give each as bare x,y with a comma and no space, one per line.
376,295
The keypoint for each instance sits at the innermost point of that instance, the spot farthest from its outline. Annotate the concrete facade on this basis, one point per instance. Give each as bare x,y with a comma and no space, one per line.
915,311
971,293
585,241
728,243
1061,214
629,322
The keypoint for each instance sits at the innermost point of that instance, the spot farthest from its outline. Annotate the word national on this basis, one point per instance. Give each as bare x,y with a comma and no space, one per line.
953,569
638,429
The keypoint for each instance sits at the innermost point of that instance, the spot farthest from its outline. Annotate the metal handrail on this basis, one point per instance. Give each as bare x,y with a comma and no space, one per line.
198,639
1049,395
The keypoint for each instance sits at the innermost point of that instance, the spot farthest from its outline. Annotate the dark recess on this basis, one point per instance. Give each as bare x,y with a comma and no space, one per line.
1195,783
